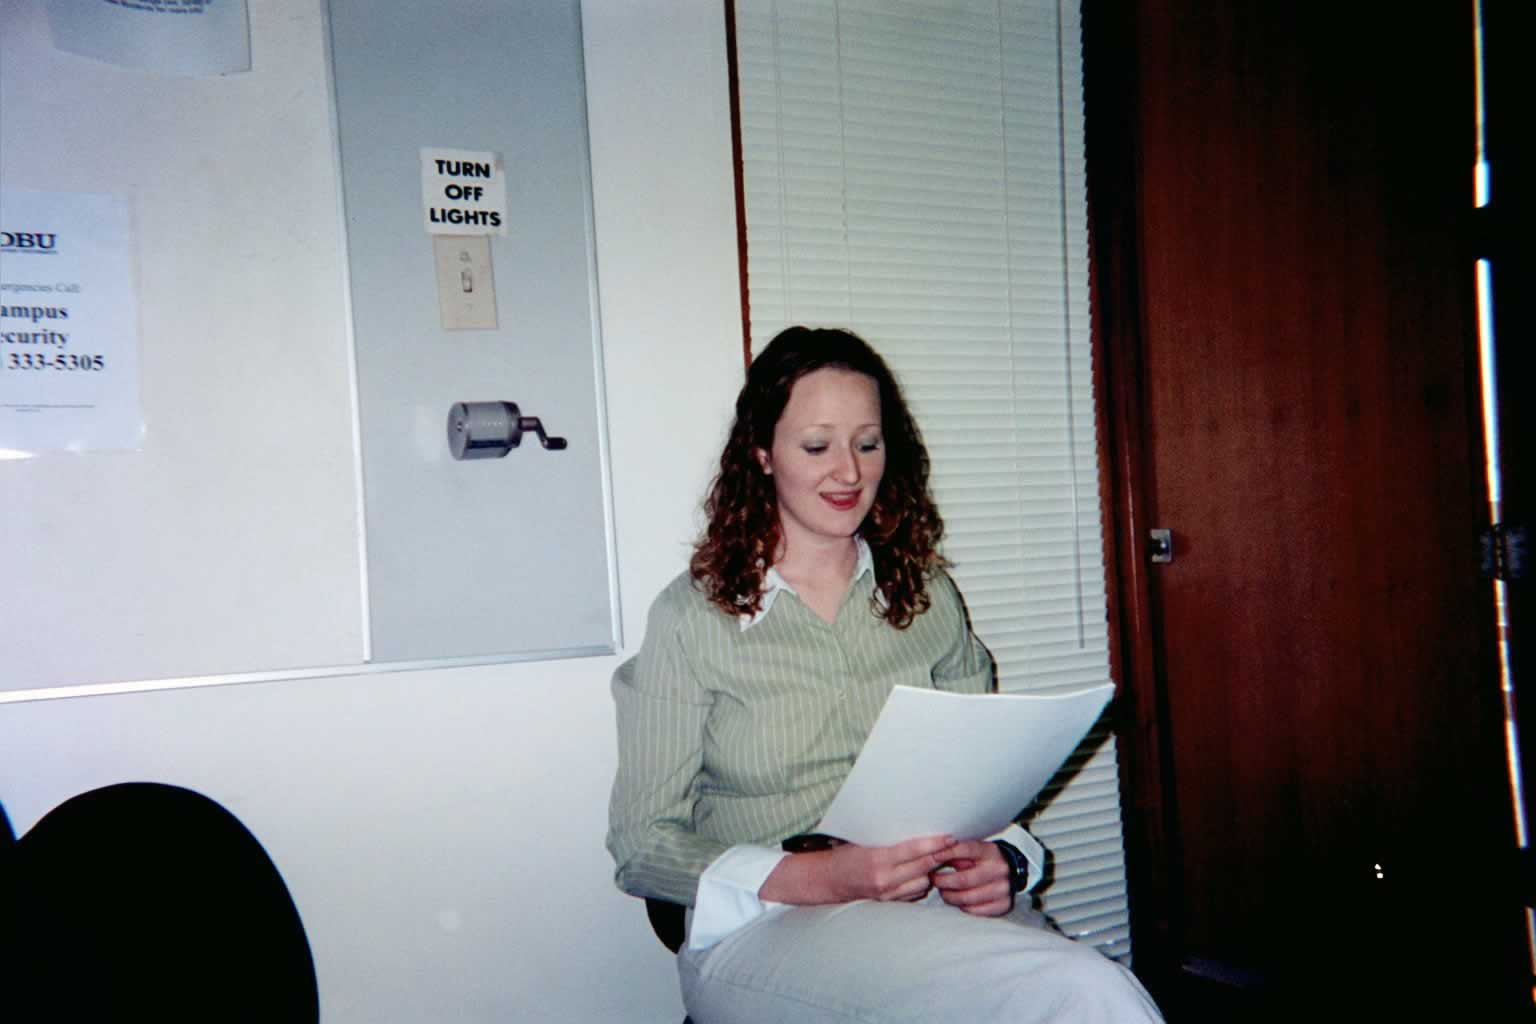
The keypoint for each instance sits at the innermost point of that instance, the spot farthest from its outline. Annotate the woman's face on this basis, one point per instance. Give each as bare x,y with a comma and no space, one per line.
828,455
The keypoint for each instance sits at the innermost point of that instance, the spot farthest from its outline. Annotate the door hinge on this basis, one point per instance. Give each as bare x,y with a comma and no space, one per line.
1503,551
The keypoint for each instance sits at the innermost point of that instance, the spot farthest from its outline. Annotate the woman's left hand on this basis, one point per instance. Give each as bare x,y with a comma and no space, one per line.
979,883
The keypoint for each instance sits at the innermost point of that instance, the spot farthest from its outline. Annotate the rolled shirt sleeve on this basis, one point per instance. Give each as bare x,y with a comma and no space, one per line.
728,896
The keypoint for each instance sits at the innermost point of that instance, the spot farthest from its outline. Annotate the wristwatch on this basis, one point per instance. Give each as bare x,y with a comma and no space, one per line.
1018,867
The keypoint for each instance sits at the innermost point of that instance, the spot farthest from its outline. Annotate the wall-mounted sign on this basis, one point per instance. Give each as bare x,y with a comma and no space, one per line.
463,192
69,323
183,37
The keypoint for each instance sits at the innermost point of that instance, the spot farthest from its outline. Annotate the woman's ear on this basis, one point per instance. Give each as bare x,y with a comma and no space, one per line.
764,460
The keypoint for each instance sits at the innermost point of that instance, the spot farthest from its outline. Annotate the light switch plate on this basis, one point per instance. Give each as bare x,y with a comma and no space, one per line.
466,288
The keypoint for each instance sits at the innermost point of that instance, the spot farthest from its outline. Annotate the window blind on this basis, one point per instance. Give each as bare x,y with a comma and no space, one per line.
913,169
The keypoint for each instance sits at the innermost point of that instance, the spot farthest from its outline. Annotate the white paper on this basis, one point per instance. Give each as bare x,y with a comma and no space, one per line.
181,37
955,764
69,324
463,192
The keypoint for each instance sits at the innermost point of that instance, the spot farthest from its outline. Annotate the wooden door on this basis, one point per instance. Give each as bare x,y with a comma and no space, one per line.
1316,783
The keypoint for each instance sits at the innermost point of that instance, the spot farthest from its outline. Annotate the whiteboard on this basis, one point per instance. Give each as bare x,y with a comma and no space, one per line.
261,526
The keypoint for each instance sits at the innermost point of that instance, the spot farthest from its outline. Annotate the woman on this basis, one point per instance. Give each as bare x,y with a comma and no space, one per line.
816,588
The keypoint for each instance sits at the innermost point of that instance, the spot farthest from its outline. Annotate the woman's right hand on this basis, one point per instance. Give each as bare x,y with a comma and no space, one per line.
848,872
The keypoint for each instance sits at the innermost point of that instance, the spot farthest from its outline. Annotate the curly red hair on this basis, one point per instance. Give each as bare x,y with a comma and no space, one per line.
902,528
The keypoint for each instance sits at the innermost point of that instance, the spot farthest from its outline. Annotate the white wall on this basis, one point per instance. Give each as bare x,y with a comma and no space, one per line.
441,831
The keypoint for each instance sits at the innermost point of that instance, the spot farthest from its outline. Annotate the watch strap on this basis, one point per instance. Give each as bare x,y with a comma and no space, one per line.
1018,867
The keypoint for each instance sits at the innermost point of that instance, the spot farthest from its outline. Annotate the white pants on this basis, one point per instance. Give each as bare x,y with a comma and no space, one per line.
886,962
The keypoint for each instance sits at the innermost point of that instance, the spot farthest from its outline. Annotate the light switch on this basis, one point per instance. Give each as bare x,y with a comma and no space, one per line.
466,288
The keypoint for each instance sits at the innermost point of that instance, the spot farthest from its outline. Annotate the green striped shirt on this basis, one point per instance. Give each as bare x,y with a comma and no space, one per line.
730,735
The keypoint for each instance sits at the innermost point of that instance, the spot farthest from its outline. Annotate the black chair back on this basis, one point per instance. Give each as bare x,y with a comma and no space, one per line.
143,901
668,922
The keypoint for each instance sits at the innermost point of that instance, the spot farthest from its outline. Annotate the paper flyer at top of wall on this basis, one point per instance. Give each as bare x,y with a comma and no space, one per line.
178,37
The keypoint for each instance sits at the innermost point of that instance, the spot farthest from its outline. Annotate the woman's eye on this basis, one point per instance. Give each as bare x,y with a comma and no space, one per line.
870,446
813,449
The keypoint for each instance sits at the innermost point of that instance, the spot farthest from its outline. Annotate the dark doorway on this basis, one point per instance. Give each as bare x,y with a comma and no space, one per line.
1319,809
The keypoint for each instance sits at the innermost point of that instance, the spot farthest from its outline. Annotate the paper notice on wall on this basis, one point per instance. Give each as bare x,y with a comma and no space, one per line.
463,192
180,37
69,324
